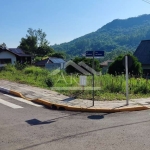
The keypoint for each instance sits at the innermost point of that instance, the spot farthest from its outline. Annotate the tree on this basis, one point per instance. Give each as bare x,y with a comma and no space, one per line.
59,55
29,45
44,50
39,35
115,53
117,66
3,45
35,43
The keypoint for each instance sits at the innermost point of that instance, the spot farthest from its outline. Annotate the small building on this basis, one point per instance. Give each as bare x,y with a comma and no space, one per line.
13,55
143,54
105,65
51,63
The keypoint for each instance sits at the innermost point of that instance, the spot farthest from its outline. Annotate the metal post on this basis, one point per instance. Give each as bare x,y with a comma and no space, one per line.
93,77
126,64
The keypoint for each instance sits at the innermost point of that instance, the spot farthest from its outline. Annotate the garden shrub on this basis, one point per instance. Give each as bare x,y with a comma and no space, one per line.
9,67
117,67
143,89
20,66
36,71
49,82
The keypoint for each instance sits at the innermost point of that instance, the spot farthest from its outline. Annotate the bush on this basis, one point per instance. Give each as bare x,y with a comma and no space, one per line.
36,71
20,66
141,89
49,82
117,67
33,70
9,67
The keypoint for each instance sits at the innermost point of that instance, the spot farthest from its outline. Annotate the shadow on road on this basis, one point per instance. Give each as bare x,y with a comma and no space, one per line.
96,117
33,122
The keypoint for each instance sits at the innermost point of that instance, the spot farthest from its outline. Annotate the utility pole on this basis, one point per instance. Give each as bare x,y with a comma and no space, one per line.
93,77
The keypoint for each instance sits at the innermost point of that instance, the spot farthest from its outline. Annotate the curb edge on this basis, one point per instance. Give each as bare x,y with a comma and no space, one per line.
72,108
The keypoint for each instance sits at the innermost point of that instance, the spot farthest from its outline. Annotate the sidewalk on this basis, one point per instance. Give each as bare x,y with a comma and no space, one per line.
55,100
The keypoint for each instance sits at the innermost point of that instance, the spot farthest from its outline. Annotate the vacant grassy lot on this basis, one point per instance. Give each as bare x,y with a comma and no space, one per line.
109,87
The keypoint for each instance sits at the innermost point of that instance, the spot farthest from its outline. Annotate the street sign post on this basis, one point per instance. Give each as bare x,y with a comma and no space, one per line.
99,54
89,53
130,61
127,90
94,54
127,63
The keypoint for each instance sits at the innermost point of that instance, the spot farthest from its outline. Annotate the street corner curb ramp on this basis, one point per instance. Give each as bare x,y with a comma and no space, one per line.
12,92
90,109
73,108
50,104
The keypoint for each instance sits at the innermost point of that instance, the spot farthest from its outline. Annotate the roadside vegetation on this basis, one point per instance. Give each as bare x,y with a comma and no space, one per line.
110,87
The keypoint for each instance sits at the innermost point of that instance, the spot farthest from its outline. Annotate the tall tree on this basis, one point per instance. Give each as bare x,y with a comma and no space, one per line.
59,55
40,36
29,45
44,50
35,43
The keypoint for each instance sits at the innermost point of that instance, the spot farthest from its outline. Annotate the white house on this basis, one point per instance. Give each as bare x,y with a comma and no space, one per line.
7,57
12,55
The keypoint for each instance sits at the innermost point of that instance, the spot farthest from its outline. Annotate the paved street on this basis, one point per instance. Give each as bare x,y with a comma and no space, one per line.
27,126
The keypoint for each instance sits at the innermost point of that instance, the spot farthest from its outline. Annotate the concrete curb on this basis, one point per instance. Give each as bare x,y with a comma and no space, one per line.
15,93
81,109
4,90
72,108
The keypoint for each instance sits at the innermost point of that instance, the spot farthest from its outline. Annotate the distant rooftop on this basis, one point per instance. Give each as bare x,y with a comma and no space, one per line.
143,52
16,51
50,60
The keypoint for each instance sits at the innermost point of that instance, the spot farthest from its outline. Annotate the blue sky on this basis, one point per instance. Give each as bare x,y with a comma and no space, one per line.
62,20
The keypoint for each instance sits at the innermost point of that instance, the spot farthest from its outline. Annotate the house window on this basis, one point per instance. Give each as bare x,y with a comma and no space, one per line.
5,61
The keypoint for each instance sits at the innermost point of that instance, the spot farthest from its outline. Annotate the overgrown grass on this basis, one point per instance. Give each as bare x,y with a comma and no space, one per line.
110,87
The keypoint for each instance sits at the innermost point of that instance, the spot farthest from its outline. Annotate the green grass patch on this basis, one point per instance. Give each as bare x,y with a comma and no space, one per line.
110,87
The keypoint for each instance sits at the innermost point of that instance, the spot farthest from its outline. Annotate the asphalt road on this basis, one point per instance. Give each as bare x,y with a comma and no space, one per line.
29,127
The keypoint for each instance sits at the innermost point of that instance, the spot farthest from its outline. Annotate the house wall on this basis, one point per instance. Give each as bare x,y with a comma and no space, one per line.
7,55
146,66
54,66
146,70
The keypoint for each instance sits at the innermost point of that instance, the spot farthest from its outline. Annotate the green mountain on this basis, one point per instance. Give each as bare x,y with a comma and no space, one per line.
120,35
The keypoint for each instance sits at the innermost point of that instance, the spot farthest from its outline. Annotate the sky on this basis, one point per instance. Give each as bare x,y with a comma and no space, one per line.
62,20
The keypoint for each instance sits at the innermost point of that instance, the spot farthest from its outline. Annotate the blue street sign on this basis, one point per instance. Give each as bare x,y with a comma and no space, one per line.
96,53
89,53
99,54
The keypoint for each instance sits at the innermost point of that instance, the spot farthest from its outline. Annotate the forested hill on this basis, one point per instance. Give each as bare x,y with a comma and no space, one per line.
117,35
